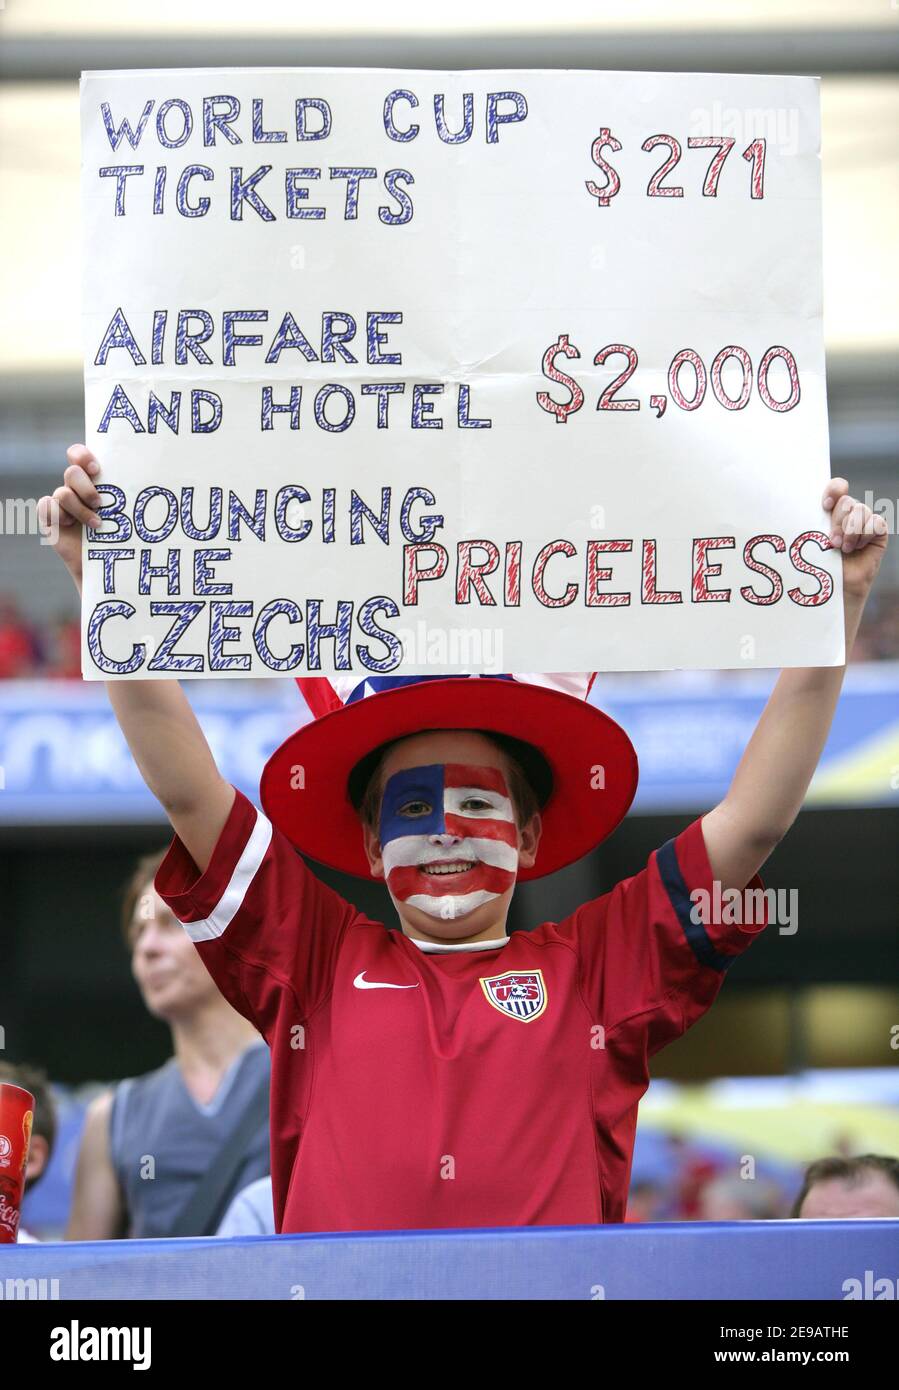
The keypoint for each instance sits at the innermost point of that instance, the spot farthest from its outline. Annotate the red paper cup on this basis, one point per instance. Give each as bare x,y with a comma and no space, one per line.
16,1116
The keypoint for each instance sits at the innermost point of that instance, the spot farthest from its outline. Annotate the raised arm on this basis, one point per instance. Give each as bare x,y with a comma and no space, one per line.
155,717
773,776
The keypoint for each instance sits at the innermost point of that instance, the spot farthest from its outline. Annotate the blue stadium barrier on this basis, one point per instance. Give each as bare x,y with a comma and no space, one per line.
779,1260
66,762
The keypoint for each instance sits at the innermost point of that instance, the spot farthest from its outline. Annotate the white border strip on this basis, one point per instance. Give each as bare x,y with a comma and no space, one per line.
230,902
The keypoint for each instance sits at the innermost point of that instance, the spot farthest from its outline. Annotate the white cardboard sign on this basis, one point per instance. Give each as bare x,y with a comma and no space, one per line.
412,372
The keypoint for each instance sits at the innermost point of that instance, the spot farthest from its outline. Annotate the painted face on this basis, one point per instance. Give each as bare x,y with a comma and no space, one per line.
448,837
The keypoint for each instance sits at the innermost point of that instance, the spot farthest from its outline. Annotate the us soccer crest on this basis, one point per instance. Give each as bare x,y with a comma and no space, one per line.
520,994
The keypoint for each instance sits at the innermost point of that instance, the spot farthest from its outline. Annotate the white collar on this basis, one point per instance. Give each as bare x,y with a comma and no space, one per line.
434,946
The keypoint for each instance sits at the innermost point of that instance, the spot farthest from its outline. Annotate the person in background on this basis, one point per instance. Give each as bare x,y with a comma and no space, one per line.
18,653
731,1198
694,1169
879,633
63,641
251,1213
153,1141
43,1129
840,1189
646,1201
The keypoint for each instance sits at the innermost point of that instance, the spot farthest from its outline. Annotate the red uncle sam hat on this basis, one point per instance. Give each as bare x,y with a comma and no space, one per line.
581,764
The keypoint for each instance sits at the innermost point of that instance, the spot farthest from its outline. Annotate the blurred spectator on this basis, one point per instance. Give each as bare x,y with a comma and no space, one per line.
839,1189
731,1198
63,649
19,655
647,1201
693,1170
43,1128
878,637
164,1154
252,1213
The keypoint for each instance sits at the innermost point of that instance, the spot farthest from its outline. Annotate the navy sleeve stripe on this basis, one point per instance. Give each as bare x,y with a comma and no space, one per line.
679,897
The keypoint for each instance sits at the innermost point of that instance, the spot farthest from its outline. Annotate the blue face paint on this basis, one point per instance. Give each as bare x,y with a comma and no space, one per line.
449,843
424,784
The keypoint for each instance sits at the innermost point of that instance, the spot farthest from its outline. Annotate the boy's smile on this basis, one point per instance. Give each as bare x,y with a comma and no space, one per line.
448,837
448,842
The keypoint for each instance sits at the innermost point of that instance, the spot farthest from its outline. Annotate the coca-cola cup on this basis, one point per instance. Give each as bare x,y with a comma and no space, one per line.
16,1116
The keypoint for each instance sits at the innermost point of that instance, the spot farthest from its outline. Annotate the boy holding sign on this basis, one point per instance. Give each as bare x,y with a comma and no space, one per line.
449,1074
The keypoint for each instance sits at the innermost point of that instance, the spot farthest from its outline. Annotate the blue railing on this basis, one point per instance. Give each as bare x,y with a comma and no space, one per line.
64,761
780,1260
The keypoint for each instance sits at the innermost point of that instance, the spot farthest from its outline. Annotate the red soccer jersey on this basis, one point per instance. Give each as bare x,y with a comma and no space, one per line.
478,1087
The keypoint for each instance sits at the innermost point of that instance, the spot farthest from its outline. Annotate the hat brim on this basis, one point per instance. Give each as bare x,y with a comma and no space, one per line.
593,762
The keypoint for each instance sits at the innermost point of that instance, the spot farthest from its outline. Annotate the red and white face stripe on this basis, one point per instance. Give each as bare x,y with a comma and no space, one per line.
448,837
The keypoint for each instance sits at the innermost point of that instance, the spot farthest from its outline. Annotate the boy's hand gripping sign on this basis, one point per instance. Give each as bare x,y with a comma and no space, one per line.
431,372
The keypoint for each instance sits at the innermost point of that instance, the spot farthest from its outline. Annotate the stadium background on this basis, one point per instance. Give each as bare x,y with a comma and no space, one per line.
796,1059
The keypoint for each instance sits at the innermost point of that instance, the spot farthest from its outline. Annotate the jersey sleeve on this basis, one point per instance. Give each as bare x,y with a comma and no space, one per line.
267,929
654,951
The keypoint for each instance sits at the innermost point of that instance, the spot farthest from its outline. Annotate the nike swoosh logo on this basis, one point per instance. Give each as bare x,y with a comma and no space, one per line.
361,983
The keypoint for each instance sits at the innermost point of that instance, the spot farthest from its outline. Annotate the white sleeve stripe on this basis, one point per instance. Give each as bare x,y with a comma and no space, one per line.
231,900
